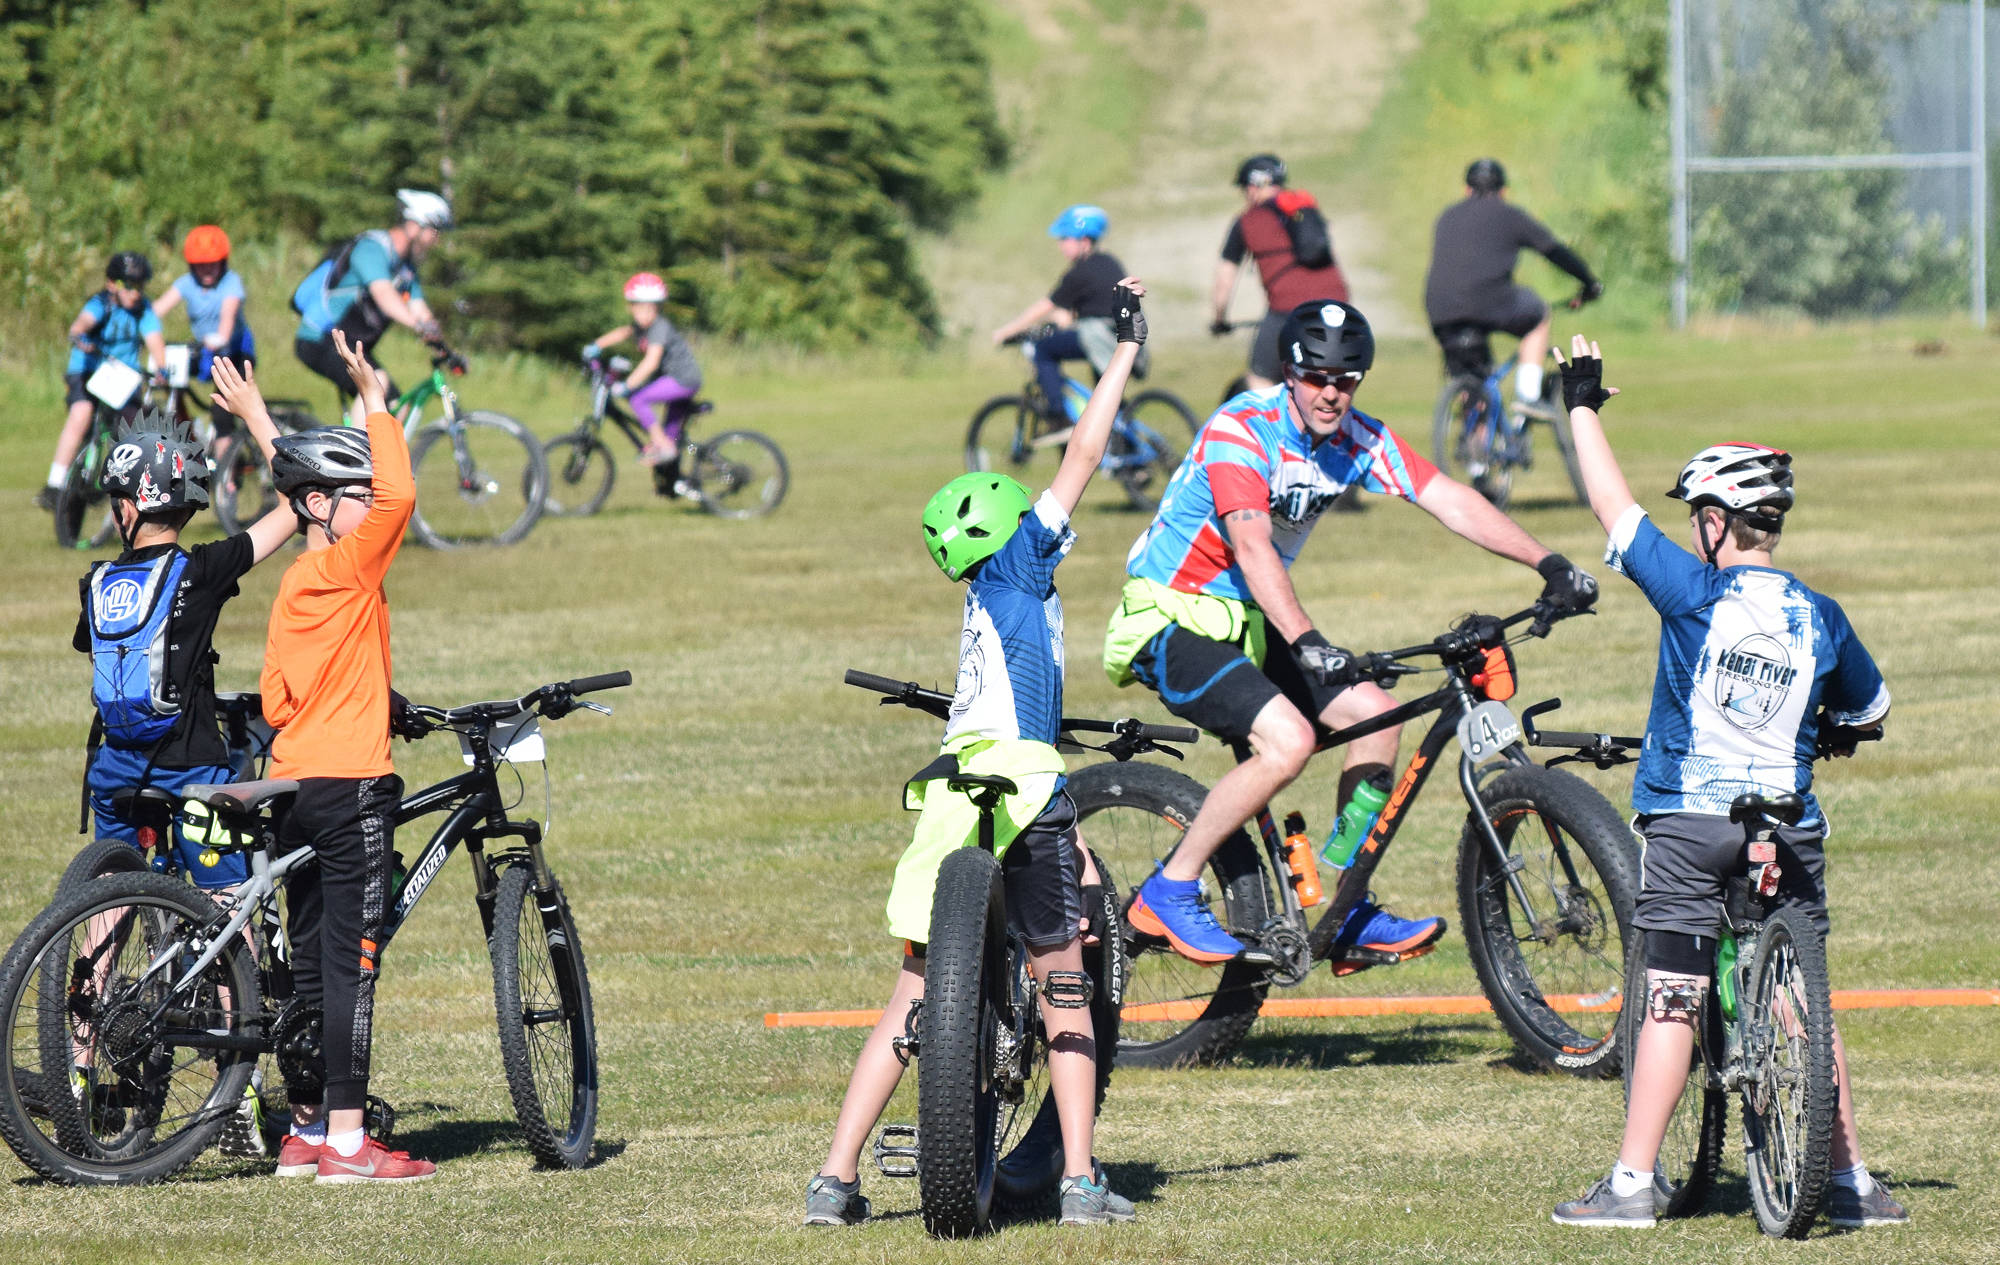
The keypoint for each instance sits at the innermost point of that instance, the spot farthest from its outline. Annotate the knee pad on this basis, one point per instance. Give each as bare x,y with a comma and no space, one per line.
1677,953
1069,990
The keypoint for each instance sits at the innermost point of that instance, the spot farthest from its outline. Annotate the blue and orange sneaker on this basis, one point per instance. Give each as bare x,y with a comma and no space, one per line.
1173,910
1371,927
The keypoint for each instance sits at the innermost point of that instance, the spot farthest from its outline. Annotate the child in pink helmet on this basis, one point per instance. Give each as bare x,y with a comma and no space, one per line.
665,378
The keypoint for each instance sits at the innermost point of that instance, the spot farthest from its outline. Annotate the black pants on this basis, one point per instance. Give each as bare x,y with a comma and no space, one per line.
323,358
335,909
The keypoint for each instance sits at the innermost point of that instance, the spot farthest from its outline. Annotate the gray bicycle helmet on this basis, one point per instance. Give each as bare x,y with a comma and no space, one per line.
1327,336
1486,175
157,466
328,457
1260,169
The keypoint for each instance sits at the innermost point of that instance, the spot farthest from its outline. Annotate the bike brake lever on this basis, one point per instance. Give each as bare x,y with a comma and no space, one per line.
596,707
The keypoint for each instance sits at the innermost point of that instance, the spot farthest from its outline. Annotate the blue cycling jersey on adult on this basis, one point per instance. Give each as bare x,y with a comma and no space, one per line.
372,259
1010,654
120,333
1748,656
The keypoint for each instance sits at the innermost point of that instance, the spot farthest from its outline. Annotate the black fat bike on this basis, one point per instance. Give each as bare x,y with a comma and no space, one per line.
1547,876
737,474
136,1008
987,1133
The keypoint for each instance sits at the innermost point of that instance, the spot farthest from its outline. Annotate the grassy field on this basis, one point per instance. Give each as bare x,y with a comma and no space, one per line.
727,839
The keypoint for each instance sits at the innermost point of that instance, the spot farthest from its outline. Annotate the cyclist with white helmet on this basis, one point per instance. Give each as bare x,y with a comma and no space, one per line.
369,284
1750,661
1079,307
665,378
1209,588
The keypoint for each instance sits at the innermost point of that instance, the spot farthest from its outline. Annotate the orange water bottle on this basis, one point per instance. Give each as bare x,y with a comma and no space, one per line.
1299,859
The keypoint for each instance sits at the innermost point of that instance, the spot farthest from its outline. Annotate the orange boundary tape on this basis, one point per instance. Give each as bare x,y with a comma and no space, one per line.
1344,1007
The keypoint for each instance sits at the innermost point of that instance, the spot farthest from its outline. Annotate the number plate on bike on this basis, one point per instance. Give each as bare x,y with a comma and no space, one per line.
516,741
1487,730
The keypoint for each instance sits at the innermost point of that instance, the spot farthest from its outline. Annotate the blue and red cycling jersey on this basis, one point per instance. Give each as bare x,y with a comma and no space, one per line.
1256,454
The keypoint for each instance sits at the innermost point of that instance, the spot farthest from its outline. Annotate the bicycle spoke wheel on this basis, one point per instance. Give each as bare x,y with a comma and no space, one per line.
112,1075
738,474
1691,1151
1149,448
1175,1012
968,1016
1566,447
83,511
1555,980
1790,1092
581,472
1008,435
548,1036
480,481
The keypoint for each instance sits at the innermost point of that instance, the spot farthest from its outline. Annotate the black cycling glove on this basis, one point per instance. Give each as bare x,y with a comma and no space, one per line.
1583,384
1130,322
1219,326
1565,587
1331,666
405,721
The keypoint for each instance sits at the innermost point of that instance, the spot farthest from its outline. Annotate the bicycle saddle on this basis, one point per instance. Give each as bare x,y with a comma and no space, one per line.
1783,809
965,783
126,798
242,797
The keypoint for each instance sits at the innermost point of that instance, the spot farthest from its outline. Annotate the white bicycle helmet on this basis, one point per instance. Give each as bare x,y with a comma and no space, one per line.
420,206
1746,479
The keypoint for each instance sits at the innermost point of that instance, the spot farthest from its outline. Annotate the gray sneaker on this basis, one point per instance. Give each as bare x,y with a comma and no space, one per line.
1850,1211
830,1201
1092,1202
243,1133
45,499
1601,1207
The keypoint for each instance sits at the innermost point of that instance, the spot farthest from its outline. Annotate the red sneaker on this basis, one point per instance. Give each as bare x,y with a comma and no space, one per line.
298,1157
372,1163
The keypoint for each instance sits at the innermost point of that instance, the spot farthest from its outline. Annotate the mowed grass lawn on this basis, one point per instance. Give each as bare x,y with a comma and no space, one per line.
727,839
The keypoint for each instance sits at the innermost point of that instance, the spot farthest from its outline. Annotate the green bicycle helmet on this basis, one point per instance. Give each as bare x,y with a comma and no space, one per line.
971,518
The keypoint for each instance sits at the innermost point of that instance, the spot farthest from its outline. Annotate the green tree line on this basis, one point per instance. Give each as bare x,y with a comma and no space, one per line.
772,158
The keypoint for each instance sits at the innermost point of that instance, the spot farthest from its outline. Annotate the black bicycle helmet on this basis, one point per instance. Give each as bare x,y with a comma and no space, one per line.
1328,336
1260,169
328,457
157,466
1486,175
130,267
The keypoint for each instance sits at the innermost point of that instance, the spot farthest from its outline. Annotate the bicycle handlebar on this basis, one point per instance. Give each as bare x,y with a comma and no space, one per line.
555,700
910,694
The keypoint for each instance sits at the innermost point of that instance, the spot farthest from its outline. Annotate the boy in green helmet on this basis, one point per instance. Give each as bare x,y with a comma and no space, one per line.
1006,708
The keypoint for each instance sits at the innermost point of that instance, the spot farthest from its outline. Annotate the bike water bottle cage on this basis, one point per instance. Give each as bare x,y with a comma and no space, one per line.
129,607
1069,990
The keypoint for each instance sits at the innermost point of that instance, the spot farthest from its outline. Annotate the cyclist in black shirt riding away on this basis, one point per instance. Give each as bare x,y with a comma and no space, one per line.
1470,289
1080,307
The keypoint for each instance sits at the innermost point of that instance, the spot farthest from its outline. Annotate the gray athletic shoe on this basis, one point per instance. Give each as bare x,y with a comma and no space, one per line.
243,1133
1601,1207
1850,1211
1088,1202
830,1201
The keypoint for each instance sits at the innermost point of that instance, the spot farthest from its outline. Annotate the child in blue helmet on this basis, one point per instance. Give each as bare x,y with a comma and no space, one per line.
1080,307
1006,708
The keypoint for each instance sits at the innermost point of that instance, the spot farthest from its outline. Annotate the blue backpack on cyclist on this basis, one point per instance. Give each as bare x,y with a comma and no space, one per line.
129,608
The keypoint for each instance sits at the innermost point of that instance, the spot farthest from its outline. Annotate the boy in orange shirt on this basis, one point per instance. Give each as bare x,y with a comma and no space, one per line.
326,692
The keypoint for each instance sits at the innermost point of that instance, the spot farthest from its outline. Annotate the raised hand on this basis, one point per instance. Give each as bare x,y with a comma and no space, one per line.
1583,376
236,391
369,383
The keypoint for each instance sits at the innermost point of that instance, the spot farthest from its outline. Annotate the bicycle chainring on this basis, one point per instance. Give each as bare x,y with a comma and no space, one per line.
1290,951
296,1041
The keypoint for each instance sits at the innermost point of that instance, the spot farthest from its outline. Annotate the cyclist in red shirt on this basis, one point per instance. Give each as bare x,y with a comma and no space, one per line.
1260,234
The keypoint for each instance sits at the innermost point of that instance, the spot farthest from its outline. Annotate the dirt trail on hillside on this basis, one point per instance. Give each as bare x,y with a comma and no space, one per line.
1225,98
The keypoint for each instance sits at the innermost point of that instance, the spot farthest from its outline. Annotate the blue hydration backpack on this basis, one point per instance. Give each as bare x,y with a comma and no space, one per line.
129,608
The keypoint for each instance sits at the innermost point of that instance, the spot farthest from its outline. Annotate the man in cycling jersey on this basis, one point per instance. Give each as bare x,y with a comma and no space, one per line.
1470,290
117,323
372,287
1260,234
1212,572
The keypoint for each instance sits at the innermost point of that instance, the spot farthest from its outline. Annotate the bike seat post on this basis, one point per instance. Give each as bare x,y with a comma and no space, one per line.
987,800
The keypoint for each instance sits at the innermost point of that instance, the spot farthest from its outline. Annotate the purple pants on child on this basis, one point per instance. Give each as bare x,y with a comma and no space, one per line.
663,394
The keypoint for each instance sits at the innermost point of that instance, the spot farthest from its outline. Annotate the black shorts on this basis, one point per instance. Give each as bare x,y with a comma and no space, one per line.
1688,857
324,359
1517,314
73,391
1043,870
1213,685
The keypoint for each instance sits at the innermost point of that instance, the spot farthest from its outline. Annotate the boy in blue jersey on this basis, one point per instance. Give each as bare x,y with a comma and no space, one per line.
1750,660
117,323
1005,714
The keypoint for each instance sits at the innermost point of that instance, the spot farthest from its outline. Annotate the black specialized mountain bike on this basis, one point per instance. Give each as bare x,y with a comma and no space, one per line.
737,474
135,1007
1547,876
1763,1025
987,1133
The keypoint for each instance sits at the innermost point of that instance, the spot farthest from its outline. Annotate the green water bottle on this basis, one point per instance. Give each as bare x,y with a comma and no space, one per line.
1356,820
1725,981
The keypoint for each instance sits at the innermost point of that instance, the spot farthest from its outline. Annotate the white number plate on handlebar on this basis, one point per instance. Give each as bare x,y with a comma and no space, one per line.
1487,730
516,741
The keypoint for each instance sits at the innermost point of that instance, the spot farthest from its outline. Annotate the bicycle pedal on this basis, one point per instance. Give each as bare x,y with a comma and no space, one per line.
1257,956
1359,959
896,1150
